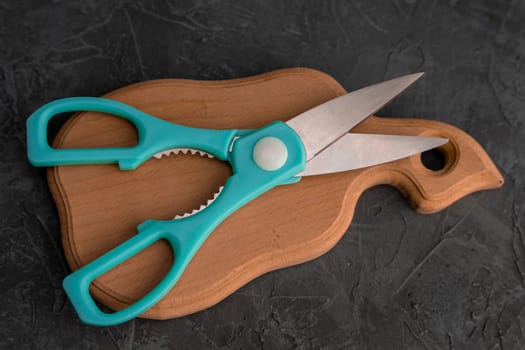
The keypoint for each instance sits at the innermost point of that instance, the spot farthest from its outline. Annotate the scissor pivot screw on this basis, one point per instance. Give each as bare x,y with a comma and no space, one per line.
270,153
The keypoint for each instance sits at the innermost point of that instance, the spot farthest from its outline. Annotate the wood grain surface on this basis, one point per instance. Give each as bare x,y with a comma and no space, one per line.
100,206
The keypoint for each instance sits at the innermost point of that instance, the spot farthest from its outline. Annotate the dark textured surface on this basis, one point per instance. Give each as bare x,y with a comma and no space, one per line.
397,279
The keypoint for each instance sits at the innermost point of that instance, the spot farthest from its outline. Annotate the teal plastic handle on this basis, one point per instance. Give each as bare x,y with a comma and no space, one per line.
154,135
187,235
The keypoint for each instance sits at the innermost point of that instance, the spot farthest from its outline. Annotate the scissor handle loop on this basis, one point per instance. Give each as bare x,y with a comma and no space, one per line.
154,135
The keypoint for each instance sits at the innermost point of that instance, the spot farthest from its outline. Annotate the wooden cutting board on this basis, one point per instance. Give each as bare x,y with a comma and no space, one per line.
100,206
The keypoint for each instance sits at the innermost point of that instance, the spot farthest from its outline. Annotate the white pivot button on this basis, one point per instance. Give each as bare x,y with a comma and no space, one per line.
270,153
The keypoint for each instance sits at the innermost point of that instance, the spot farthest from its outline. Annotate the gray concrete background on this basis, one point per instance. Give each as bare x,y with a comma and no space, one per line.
397,279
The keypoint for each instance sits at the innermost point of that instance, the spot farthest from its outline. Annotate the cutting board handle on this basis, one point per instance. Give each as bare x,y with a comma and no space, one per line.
467,168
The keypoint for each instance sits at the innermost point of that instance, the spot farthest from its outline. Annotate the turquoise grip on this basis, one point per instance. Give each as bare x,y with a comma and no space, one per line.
187,235
154,135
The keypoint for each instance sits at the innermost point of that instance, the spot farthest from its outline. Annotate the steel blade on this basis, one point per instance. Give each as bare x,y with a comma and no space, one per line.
355,151
322,125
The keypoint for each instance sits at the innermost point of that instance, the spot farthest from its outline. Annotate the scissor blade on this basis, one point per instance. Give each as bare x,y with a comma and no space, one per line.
355,151
322,125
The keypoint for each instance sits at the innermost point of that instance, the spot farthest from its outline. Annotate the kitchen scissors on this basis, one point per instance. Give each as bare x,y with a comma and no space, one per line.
313,143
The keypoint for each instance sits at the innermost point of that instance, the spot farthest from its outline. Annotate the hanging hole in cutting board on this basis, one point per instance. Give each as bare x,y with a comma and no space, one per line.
135,277
433,159
106,131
